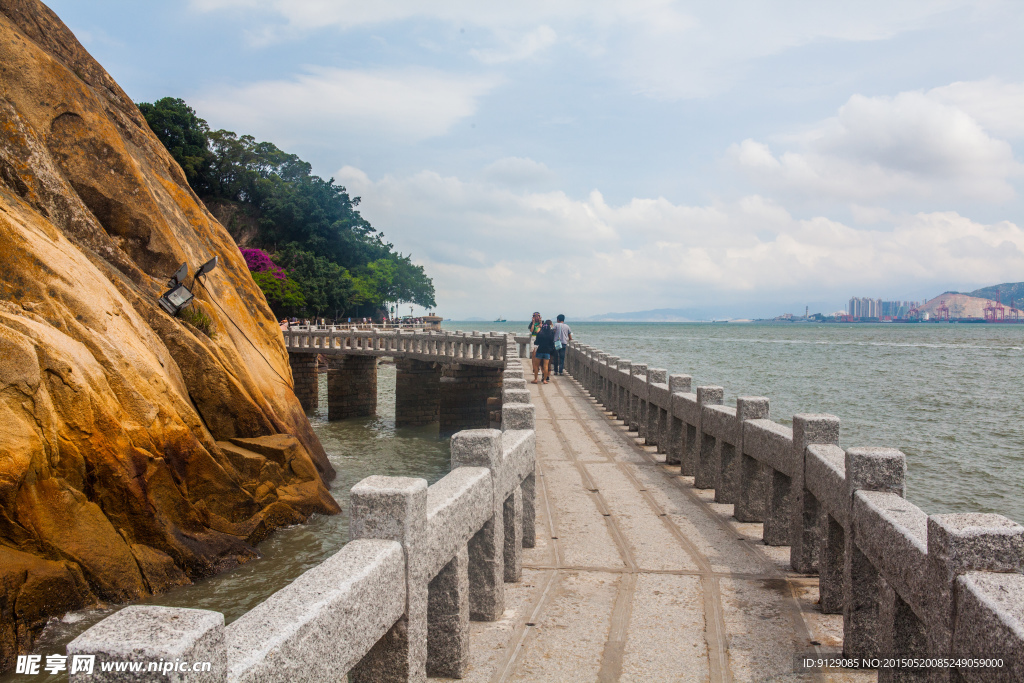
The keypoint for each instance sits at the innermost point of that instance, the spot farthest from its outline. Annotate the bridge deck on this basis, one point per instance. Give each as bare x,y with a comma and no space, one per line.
637,576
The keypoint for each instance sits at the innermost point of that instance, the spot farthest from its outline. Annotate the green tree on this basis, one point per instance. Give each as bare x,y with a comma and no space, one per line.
285,296
329,288
312,227
183,134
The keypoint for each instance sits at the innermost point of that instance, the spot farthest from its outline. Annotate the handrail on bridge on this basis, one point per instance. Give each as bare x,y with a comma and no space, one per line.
473,348
396,597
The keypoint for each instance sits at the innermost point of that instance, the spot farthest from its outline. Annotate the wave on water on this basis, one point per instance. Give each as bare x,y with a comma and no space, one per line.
829,342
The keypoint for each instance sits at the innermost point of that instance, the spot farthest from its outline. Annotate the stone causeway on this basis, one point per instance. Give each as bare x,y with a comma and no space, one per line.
620,525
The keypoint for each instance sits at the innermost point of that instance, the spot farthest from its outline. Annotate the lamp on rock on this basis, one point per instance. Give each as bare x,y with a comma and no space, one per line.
178,296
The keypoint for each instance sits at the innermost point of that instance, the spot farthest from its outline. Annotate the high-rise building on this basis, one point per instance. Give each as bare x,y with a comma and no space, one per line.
865,307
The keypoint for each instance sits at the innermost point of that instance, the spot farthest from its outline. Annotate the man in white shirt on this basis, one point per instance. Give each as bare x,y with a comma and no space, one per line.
563,335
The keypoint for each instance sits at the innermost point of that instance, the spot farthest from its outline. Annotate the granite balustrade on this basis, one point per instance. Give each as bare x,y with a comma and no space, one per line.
908,584
486,349
394,604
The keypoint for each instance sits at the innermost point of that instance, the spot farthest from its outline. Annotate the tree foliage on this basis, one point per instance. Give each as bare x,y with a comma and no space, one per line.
336,262
183,133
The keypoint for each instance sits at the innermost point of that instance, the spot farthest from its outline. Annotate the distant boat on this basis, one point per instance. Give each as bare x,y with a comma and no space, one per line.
501,320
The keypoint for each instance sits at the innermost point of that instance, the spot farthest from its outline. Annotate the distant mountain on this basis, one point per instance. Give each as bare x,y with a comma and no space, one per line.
1005,292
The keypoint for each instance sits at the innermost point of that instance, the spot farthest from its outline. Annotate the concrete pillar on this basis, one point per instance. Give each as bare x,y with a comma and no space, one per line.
867,469
305,380
351,386
417,392
806,527
464,393
482,448
704,472
395,509
448,619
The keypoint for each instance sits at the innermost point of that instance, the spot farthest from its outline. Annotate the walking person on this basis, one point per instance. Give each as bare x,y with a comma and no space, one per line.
545,343
563,335
534,327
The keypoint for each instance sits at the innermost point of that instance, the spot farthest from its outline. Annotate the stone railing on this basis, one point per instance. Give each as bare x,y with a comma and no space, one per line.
467,348
394,603
908,584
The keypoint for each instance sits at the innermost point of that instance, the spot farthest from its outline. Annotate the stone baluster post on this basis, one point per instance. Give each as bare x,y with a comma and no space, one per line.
674,449
395,509
600,381
806,512
957,544
482,448
633,399
448,618
606,389
867,469
704,472
747,408
652,432
753,476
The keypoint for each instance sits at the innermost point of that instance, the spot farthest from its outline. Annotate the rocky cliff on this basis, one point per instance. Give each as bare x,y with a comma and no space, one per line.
136,452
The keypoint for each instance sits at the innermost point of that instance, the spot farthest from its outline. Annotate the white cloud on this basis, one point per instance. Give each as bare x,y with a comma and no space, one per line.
518,172
662,48
996,105
910,146
516,50
408,104
503,250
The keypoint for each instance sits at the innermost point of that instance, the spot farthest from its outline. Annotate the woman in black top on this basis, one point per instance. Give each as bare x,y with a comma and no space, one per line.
545,344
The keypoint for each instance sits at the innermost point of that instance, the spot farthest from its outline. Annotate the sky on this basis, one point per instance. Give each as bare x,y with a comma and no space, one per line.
729,159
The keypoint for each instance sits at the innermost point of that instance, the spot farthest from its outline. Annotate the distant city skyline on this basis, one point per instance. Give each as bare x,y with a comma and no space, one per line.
623,156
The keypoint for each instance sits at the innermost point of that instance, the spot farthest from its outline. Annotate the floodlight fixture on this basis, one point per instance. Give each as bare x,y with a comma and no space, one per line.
179,296
175,299
179,276
207,267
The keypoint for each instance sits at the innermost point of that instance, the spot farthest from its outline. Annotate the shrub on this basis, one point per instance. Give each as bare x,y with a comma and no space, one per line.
197,319
259,261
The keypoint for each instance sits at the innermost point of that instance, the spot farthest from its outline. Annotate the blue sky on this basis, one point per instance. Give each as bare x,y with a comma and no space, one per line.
737,158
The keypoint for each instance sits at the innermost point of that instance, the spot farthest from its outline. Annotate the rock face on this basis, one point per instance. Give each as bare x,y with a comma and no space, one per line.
136,452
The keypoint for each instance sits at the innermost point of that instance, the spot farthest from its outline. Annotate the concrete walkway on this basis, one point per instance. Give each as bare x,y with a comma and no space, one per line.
637,576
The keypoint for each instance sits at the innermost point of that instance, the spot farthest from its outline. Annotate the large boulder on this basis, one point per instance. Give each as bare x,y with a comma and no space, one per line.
115,479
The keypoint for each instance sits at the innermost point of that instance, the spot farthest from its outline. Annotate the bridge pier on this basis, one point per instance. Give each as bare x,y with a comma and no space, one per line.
351,386
464,390
307,387
417,392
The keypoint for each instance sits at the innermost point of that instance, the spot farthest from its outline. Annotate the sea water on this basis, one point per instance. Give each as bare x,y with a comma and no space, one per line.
950,396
